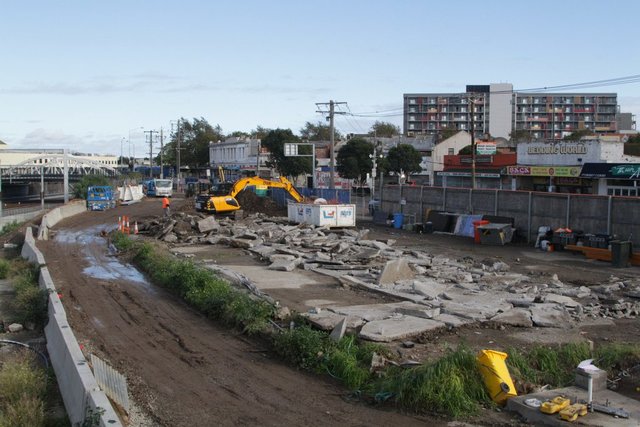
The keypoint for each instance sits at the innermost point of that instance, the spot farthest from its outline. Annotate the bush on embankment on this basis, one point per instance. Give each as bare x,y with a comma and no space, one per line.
30,301
451,385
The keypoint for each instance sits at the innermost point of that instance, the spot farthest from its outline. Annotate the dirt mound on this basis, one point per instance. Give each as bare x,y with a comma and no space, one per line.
252,203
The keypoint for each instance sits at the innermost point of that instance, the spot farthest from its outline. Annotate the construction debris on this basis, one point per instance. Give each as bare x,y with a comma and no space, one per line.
438,291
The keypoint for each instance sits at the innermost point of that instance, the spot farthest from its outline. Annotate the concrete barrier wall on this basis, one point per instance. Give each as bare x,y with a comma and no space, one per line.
78,387
58,214
23,217
588,213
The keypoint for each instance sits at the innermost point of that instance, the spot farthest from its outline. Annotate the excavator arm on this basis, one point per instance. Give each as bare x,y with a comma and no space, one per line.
228,203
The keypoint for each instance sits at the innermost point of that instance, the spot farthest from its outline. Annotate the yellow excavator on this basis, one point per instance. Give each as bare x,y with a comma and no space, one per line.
228,203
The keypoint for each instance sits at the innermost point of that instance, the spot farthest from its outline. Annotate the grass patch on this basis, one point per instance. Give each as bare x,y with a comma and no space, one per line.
451,385
30,302
9,227
555,365
5,267
22,391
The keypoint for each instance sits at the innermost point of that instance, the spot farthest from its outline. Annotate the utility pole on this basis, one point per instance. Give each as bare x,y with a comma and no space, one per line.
178,140
473,144
331,112
161,154
150,132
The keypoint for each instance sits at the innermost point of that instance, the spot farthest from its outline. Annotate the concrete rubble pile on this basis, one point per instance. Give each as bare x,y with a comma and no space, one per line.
432,291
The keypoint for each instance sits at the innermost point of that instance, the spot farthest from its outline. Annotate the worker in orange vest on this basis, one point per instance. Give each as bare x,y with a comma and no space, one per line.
166,206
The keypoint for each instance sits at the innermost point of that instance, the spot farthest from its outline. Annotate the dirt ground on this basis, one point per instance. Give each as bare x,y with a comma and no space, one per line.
184,370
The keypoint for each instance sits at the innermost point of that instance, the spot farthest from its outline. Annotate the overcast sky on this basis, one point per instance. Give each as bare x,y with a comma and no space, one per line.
86,74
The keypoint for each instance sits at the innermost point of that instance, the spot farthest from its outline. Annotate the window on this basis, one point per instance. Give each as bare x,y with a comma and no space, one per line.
412,118
412,101
451,151
411,126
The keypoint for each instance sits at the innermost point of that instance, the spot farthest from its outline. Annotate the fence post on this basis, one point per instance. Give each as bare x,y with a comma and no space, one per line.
444,198
422,219
495,203
568,211
609,209
529,219
471,201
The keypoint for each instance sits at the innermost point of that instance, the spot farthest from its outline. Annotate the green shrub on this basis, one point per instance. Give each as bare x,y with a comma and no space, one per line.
80,189
451,385
9,227
30,302
304,347
350,362
5,266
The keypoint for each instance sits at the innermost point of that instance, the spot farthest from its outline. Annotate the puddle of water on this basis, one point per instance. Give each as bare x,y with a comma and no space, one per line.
102,266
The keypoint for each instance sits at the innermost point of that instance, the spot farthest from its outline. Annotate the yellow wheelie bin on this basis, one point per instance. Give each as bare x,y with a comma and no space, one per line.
496,375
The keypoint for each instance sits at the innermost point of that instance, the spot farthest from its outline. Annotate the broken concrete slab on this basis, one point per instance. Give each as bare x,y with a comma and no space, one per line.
515,317
561,299
285,264
394,270
396,328
418,310
550,316
208,224
327,320
452,321
469,310
338,331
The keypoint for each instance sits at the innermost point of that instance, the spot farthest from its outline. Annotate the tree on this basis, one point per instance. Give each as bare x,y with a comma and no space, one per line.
260,132
577,135
194,143
404,158
384,129
288,166
448,133
353,161
519,135
318,132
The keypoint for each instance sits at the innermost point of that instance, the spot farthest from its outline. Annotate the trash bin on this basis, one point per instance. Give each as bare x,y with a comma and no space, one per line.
428,227
496,375
476,234
620,253
398,219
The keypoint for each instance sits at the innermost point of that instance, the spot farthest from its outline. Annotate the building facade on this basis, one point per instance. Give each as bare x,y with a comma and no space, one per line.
497,110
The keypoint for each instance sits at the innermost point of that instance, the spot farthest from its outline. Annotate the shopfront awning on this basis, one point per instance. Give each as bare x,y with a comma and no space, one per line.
611,170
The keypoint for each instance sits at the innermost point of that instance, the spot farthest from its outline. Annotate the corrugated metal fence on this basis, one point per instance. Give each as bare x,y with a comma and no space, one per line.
112,382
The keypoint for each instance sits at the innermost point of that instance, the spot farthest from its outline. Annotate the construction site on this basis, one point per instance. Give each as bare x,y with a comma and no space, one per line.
419,296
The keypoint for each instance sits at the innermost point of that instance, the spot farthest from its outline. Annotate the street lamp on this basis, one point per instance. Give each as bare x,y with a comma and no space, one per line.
134,147
121,144
374,170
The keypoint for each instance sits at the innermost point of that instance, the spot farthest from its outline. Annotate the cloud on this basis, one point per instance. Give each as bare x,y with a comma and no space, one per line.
143,82
54,138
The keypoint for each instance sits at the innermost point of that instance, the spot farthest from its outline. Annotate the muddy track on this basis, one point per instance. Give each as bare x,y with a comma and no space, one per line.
183,369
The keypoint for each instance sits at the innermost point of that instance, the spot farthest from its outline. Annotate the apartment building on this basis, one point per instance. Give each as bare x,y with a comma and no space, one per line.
497,110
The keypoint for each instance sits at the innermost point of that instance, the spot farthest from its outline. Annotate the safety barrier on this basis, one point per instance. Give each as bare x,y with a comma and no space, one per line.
56,215
78,387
